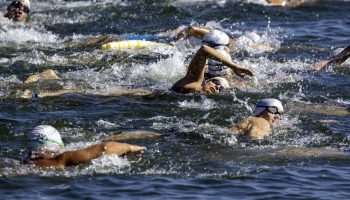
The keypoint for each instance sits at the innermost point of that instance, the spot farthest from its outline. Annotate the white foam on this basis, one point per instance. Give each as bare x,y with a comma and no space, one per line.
20,33
162,73
204,104
257,43
105,124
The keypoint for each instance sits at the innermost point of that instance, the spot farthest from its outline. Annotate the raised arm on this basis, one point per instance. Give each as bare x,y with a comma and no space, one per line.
337,59
81,156
195,73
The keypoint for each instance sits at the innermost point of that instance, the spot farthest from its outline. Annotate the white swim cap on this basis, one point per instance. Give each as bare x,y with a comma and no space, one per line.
216,38
223,82
25,3
263,104
45,137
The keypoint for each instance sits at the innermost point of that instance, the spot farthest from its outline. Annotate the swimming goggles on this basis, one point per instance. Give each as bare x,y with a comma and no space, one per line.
273,110
18,5
217,82
213,45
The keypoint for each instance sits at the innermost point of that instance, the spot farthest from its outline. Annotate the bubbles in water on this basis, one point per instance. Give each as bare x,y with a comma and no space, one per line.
205,104
112,163
106,124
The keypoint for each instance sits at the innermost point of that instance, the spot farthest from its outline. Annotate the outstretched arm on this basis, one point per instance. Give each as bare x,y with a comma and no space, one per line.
197,32
81,156
192,31
337,59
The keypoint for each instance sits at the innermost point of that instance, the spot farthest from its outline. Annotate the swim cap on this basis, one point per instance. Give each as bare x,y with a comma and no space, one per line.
45,137
216,38
25,3
216,68
265,103
223,82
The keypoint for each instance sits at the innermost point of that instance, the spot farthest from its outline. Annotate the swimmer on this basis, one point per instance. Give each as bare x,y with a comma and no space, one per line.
214,54
18,10
257,127
334,60
45,143
217,76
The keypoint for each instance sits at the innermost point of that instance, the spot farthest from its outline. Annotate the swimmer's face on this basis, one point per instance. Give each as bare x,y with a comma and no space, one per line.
17,12
271,118
211,87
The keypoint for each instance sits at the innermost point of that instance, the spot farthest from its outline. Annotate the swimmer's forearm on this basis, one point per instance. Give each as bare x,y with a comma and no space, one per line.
337,59
198,31
342,56
215,55
192,31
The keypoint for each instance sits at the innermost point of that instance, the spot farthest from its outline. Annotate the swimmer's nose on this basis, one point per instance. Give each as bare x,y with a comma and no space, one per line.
217,88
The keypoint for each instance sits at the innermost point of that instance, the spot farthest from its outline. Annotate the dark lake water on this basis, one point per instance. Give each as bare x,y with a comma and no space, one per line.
306,157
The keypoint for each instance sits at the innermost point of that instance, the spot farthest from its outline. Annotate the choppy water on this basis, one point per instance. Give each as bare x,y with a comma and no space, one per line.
305,158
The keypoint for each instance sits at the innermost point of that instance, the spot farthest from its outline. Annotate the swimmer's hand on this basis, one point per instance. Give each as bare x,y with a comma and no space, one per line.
241,71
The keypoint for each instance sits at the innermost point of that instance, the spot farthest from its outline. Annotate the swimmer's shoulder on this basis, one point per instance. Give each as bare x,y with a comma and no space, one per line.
259,128
255,128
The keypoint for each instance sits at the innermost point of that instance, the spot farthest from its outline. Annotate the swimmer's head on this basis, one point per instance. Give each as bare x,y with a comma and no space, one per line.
45,137
18,10
215,85
216,38
270,109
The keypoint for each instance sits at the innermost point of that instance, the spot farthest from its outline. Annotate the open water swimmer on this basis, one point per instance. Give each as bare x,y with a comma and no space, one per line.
257,127
210,68
45,144
17,10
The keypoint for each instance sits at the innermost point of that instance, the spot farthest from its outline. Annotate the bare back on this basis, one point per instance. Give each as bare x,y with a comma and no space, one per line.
255,128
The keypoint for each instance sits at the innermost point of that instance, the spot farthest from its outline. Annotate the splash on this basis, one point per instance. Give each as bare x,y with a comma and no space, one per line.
20,34
161,73
204,104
